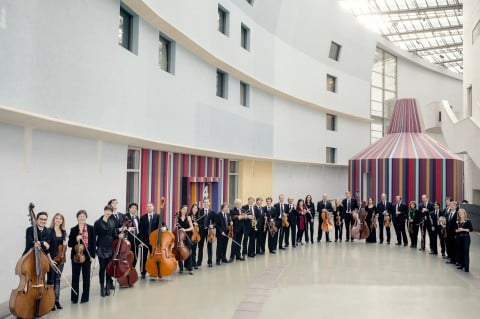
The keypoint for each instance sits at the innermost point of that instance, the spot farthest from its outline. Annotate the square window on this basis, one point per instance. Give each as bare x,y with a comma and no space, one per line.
331,83
245,37
165,53
334,52
330,155
222,84
244,94
331,122
125,28
222,20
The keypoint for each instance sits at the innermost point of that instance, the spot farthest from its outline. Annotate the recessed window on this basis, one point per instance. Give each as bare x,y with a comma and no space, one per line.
223,20
125,29
330,155
165,53
250,2
331,83
334,53
245,37
222,79
133,175
244,94
331,122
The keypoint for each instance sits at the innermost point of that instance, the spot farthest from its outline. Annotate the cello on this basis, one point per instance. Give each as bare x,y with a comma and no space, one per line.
364,230
182,252
33,297
132,276
161,262
118,266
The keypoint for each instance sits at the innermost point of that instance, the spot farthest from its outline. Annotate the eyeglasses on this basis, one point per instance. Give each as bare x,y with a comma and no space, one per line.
42,219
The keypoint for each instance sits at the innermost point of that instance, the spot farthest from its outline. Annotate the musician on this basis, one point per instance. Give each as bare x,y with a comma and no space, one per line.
384,208
132,215
292,219
184,222
443,238
462,229
237,218
414,221
400,211
221,225
261,226
148,223
207,221
321,205
116,215
281,209
436,230
194,216
371,210
338,218
84,234
302,220
310,206
451,233
272,217
44,235
59,237
248,245
350,204
106,231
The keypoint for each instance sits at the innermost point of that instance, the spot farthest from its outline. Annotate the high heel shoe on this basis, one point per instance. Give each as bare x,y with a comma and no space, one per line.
58,305
107,292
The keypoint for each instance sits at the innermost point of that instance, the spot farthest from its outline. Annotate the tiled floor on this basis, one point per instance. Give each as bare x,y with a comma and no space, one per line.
321,280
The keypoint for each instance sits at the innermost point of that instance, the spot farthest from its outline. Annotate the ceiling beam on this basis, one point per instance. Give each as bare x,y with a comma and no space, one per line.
418,10
433,30
449,61
440,47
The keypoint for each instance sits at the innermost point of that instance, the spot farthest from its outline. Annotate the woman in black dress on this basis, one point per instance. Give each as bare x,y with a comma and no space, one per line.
338,219
185,222
106,231
413,221
463,228
309,218
371,220
59,237
194,217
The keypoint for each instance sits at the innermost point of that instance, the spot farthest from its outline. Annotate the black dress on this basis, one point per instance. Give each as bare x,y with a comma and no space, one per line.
463,237
371,212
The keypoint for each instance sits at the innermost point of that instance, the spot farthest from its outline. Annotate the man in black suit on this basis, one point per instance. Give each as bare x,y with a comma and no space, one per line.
237,218
249,233
399,215
436,230
321,205
148,223
117,216
350,204
260,216
292,220
451,235
425,207
44,235
132,216
384,208
281,210
206,220
221,226
272,215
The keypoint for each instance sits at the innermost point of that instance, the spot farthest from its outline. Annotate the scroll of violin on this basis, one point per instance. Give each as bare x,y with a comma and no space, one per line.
33,297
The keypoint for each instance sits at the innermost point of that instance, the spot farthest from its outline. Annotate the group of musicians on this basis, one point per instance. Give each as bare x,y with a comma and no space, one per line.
252,228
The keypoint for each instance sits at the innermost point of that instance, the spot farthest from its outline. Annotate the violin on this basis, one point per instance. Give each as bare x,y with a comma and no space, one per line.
285,222
211,234
161,262
79,256
33,297
196,234
387,221
60,257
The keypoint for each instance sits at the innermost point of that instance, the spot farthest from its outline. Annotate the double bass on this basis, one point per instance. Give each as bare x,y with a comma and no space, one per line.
161,262
33,297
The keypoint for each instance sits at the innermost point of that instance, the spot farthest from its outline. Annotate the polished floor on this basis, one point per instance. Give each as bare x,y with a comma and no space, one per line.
320,280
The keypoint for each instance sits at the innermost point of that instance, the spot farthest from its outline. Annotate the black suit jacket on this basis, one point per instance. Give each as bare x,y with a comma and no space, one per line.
143,232
433,215
278,210
246,209
429,206
292,213
353,204
209,219
271,213
220,224
260,216
402,208
237,224
451,223
381,208
72,240
43,236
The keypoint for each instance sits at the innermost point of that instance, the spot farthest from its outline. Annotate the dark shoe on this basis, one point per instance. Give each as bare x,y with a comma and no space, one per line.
225,261
58,305
388,243
181,271
251,255
191,272
433,253
351,240
282,248
397,244
272,251
380,242
460,267
347,240
74,301
210,265
450,262
241,258
218,263
405,245
196,267
107,292
466,270
53,309
231,260
143,276
84,301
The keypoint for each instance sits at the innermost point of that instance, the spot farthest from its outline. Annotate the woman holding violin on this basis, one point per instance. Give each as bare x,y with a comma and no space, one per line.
57,254
302,220
106,231
310,205
193,214
184,224
338,219
82,241
371,219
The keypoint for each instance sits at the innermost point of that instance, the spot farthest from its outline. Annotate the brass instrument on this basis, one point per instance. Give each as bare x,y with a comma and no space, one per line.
254,220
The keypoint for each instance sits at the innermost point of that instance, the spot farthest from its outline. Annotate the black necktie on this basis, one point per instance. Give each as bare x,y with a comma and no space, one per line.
149,223
348,206
225,218
205,218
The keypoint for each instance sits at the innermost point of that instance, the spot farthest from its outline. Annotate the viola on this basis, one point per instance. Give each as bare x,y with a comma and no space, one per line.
196,234
230,231
387,221
79,256
33,297
211,234
161,262
285,222
60,257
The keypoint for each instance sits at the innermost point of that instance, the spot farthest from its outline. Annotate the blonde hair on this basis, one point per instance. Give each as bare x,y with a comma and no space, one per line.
464,211
62,225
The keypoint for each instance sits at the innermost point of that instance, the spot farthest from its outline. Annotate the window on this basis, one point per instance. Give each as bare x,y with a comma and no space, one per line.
125,29
133,176
165,53
469,101
334,53
244,94
330,155
250,2
331,83
331,122
233,177
245,37
222,78
222,20
476,32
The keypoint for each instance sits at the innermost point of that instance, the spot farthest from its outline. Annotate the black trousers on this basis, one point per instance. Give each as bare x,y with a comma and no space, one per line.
432,235
293,230
252,238
201,243
272,240
348,221
235,249
434,242
399,224
84,269
54,279
144,259
194,246
414,235
464,250
309,230
247,228
103,277
261,235
338,232
451,247
221,251
284,236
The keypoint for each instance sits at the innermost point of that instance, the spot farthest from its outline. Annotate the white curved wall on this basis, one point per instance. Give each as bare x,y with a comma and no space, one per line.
471,52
